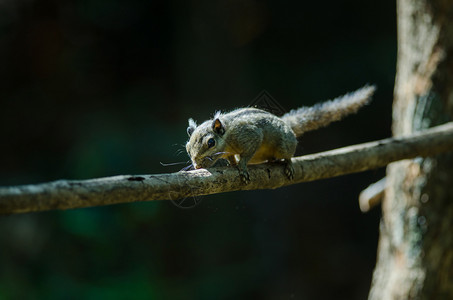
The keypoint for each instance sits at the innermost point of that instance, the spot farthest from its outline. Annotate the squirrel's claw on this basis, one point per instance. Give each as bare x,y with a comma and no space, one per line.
245,176
289,170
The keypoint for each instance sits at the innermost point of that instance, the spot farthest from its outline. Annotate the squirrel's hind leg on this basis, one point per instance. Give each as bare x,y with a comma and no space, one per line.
284,154
288,164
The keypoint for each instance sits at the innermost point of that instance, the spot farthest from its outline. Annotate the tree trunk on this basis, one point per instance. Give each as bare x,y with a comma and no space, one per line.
415,253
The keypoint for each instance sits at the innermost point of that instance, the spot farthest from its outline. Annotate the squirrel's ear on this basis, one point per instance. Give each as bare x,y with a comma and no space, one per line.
192,126
217,126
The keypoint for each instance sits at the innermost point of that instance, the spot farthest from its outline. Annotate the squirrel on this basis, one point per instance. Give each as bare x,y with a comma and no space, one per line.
251,136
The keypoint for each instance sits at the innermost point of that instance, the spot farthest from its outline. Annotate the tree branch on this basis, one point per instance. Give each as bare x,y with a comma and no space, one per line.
66,194
372,195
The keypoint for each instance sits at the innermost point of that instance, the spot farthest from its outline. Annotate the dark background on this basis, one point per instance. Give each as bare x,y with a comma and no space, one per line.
92,88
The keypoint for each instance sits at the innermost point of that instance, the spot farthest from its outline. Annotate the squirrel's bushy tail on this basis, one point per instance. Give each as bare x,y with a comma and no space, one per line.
322,114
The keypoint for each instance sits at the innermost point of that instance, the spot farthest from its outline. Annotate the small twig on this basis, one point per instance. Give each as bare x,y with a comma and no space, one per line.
66,194
372,195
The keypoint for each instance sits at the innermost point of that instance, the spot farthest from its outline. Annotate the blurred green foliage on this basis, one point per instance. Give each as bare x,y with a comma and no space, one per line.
100,88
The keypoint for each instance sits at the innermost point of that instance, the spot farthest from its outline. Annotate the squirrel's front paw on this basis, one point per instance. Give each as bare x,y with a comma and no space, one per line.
289,170
245,177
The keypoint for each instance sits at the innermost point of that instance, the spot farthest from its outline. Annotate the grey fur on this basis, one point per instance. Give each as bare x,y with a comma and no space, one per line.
322,114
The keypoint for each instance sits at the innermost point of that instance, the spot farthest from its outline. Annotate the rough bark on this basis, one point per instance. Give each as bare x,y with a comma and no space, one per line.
415,253
65,194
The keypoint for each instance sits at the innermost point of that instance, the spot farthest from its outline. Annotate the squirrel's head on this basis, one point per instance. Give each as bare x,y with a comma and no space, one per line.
206,143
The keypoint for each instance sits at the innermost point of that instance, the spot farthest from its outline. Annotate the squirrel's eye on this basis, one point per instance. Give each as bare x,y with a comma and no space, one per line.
211,143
